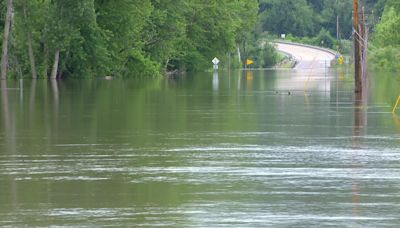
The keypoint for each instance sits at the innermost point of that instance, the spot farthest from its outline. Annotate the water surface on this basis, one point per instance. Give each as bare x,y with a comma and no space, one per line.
267,148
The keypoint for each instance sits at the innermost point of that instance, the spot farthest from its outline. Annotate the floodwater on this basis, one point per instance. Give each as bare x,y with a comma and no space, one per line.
261,149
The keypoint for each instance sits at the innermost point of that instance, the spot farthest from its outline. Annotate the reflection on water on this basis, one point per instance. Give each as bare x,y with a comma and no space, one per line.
396,120
360,119
173,152
360,124
215,81
7,123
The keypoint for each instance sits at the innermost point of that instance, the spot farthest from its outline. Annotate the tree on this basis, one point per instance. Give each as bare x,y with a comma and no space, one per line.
74,38
28,32
165,35
215,28
3,11
287,16
387,31
4,57
123,24
386,49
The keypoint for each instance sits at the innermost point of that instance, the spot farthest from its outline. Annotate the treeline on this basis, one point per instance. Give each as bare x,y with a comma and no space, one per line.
385,48
76,38
320,22
306,18
324,22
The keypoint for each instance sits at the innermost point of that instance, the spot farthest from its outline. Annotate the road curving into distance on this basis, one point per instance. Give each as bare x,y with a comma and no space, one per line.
307,57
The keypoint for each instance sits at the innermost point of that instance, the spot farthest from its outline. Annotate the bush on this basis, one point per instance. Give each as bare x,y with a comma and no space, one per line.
264,54
269,56
346,47
385,58
140,66
323,39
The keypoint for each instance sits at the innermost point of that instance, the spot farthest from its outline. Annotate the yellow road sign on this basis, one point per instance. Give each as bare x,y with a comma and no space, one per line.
249,62
340,60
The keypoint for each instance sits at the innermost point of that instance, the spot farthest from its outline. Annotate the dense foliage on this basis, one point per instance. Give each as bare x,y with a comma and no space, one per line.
306,18
315,22
89,38
385,50
74,38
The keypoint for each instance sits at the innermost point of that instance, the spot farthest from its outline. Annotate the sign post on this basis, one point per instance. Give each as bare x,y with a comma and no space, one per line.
215,61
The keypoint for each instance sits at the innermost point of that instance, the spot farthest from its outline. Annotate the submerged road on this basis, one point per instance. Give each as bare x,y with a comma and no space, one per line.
307,57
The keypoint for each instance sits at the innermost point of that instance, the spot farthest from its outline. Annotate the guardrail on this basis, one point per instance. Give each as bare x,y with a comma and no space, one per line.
326,50
330,51
291,58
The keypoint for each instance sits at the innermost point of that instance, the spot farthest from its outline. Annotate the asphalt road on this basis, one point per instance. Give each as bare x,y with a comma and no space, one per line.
307,57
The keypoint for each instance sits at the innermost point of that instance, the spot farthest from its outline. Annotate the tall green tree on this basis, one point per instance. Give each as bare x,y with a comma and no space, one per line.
385,51
215,27
164,36
288,17
387,32
5,43
123,23
74,38
28,31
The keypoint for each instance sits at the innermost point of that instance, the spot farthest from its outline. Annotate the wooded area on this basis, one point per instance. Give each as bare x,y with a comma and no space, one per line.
77,38
125,38
385,51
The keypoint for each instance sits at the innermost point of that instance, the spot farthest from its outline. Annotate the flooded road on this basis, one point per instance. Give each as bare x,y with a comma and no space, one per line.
227,150
307,57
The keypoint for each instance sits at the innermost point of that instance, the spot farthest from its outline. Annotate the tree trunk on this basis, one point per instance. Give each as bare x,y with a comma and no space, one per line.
29,40
166,66
46,60
4,57
31,56
55,66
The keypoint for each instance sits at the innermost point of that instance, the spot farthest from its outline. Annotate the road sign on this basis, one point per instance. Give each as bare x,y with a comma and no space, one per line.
340,60
215,61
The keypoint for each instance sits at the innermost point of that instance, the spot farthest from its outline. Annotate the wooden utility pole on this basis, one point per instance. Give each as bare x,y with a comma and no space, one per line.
357,49
337,33
4,56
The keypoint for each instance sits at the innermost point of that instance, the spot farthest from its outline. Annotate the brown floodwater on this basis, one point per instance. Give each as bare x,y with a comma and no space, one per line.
266,148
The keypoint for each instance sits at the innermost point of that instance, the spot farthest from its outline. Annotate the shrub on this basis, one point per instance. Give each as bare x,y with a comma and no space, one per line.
385,58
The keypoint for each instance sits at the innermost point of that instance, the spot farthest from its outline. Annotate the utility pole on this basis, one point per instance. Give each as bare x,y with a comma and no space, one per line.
364,53
339,38
337,33
357,53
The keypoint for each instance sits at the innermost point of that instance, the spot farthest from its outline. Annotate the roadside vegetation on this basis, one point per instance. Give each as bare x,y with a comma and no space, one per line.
129,38
328,23
385,48
125,38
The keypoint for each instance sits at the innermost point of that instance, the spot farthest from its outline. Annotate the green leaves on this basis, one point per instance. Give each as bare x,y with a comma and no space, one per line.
387,32
128,37
305,17
287,16
386,50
